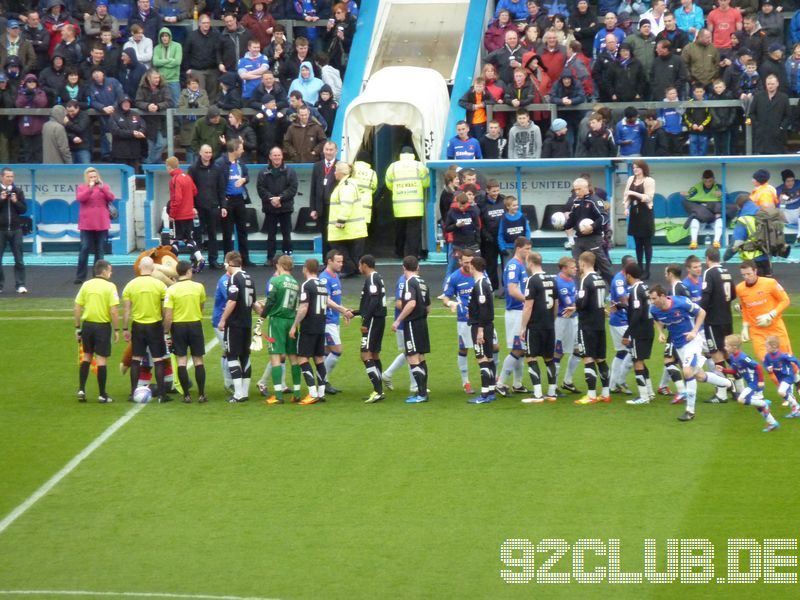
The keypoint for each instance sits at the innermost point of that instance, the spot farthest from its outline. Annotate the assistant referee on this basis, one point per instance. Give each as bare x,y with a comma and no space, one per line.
142,300
95,313
183,318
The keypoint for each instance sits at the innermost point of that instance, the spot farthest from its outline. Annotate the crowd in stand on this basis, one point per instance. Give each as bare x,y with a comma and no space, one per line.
110,68
568,52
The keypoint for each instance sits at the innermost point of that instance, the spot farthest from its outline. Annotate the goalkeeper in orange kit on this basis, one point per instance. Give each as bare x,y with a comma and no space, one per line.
763,301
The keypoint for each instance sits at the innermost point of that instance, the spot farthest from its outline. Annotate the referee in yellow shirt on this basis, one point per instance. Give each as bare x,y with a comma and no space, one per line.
183,317
95,313
142,300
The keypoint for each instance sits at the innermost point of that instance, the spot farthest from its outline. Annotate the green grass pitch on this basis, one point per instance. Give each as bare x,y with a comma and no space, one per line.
346,500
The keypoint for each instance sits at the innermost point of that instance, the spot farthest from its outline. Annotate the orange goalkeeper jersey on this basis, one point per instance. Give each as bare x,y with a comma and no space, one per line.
760,298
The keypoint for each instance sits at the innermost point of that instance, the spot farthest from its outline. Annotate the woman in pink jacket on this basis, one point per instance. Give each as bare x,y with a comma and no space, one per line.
94,219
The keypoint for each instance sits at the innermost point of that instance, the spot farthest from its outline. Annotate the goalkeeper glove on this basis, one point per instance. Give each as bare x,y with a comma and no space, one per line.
257,343
745,333
766,319
257,328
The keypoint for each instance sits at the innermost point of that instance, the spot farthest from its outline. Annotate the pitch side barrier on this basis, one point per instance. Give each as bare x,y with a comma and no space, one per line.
543,186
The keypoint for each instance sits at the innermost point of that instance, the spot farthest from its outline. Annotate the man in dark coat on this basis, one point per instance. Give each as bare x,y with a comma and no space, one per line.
322,184
128,129
669,70
207,202
277,186
771,115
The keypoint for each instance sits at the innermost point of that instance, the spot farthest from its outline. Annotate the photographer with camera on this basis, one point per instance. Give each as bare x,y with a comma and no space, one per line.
94,219
12,207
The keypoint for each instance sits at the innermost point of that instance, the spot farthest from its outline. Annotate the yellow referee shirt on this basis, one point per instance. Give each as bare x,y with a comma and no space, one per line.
96,297
146,295
186,298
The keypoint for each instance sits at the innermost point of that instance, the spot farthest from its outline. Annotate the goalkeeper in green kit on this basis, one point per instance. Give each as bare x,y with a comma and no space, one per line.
281,309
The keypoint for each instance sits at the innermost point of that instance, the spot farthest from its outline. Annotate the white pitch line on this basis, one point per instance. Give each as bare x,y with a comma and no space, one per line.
47,593
77,460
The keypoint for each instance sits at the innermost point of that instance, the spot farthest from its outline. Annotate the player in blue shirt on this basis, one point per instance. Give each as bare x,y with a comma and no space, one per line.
683,319
672,368
514,276
400,359
455,296
783,368
567,323
744,367
694,278
220,300
333,338
618,323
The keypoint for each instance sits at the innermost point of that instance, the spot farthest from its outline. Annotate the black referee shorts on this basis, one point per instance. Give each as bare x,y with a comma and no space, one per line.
96,338
237,342
592,343
148,336
641,348
371,341
416,336
540,342
310,345
486,349
188,336
715,336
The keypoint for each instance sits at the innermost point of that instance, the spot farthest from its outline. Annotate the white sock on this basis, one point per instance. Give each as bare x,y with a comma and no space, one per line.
574,363
246,386
519,372
694,228
691,394
718,380
398,362
496,361
768,417
238,387
627,365
226,374
665,379
650,391
757,401
266,374
330,363
644,394
718,230
463,368
613,377
509,364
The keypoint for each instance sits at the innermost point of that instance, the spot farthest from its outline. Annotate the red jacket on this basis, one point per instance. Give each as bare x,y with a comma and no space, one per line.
182,191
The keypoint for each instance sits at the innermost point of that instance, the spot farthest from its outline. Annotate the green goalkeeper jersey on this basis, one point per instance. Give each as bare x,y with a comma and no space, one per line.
282,297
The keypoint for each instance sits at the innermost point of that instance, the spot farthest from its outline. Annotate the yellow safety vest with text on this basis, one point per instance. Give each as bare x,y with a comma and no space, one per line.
752,244
346,209
407,179
367,181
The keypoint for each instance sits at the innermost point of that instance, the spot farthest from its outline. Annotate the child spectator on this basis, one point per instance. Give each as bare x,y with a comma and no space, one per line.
655,141
556,144
520,93
327,106
493,144
630,133
475,101
599,141
749,84
229,96
462,146
525,138
270,125
671,119
722,118
513,225
697,120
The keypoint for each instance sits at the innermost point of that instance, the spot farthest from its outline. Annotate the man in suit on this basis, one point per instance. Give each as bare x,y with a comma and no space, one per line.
322,183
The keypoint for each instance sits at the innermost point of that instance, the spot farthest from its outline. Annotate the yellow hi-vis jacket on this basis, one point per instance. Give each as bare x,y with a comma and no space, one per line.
407,179
367,181
346,209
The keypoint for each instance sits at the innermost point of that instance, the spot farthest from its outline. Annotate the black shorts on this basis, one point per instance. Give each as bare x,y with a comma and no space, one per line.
371,341
183,229
715,336
310,345
486,349
641,348
148,336
96,338
592,343
237,342
416,336
540,342
188,336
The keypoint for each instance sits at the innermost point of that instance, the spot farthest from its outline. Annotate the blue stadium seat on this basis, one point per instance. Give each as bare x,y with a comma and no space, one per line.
659,206
675,205
55,219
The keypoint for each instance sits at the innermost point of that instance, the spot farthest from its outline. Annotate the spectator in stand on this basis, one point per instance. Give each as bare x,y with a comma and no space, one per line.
270,125
496,90
689,18
749,83
304,138
96,58
627,79
8,131
259,22
530,38
15,44
36,33
79,133
276,50
55,21
13,68
167,58
128,131
540,83
311,11
792,71
148,19
296,101
601,37
130,72
277,187
232,7
520,93
517,8
789,197
603,65
748,7
141,45
599,140
474,101
577,65
722,22
556,144
12,208
773,64
153,97
306,83
327,107
233,43
239,128
106,94
697,120
654,16
677,37
629,12
113,51
655,141
493,144
201,56
99,19
669,70
552,55
794,29
567,92
525,138
229,96
69,47
329,75
291,64
733,74
338,36
250,68
672,119
207,202
722,119
494,38
192,97
209,131
536,16
771,116
53,78
462,146
30,127
643,46
630,133
269,86
753,37
55,146
562,32
508,58
175,11
94,198
771,21
584,25
701,59
638,203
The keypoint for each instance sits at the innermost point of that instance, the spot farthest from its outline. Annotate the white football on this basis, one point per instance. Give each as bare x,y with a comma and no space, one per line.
586,224
142,394
558,220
